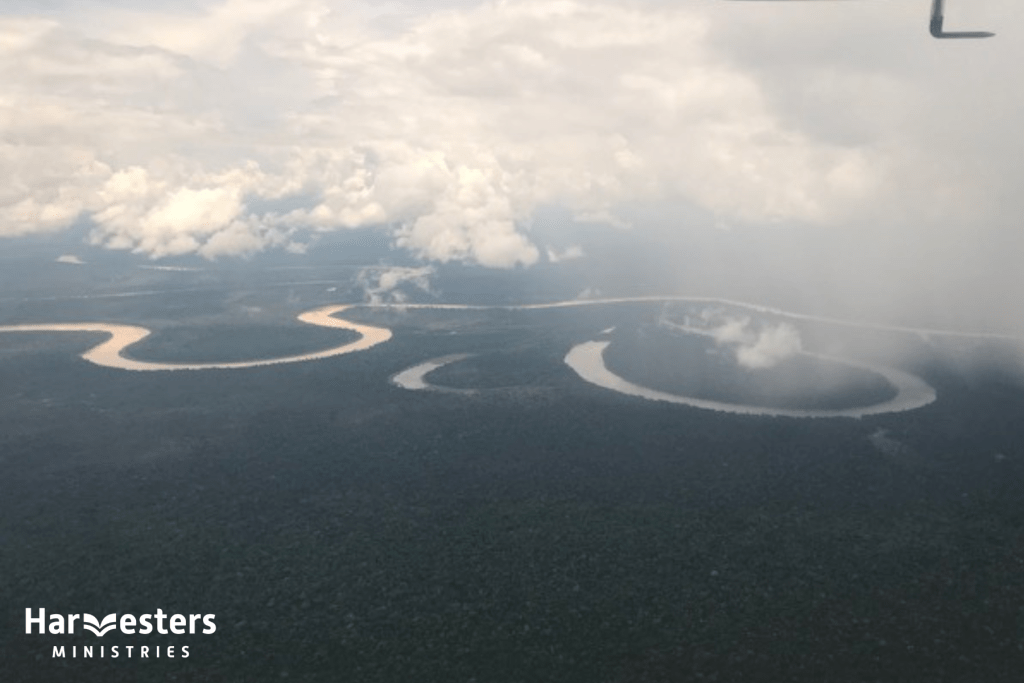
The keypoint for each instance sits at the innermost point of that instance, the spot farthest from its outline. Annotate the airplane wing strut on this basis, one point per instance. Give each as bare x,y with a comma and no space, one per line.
935,26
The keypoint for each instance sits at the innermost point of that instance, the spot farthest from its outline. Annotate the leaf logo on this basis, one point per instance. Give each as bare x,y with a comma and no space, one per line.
100,628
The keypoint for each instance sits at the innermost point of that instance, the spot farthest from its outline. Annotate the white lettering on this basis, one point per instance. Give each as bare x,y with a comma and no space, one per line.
160,616
40,620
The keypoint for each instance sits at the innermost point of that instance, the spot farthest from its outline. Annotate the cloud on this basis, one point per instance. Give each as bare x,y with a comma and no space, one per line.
448,131
46,189
839,140
757,349
383,284
169,213
732,331
772,346
568,254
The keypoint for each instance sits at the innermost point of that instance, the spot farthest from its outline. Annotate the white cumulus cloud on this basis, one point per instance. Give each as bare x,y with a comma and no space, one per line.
757,347
171,130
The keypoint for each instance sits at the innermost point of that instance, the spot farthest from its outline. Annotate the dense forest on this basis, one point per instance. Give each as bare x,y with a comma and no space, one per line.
343,529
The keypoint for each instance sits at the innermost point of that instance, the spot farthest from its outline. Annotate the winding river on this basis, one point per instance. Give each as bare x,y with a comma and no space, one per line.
110,353
415,378
586,359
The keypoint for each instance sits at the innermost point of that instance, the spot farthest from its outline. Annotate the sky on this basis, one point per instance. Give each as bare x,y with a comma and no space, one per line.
834,147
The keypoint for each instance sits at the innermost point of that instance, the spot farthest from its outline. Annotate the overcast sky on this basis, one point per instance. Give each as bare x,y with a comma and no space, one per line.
855,152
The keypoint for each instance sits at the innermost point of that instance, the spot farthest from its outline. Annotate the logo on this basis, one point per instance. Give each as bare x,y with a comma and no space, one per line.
37,622
100,628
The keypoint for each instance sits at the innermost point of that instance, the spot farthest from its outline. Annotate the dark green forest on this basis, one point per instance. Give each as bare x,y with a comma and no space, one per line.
343,529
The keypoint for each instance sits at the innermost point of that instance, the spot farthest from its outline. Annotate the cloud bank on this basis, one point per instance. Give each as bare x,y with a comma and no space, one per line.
224,128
